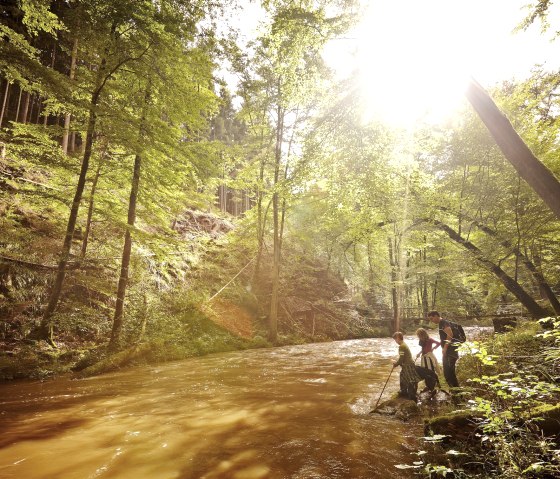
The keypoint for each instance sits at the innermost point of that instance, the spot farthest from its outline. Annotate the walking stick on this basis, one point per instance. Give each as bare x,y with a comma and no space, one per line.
383,390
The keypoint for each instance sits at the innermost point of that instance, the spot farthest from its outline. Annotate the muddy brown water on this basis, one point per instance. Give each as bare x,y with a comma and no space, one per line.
292,412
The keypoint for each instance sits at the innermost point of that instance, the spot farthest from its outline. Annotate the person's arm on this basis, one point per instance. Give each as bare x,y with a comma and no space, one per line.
448,339
436,344
401,357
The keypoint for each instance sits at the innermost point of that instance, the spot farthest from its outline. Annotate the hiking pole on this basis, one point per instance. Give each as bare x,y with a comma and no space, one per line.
383,390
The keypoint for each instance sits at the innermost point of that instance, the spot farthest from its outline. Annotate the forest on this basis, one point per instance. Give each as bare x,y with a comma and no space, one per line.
169,190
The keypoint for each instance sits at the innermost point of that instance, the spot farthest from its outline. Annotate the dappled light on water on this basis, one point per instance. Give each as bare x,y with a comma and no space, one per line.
297,412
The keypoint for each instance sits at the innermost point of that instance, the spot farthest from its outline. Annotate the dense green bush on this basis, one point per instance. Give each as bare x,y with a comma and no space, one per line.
511,396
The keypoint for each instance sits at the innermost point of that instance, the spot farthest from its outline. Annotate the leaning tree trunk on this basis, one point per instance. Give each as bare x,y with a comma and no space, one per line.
513,286
46,328
539,278
125,263
114,343
535,173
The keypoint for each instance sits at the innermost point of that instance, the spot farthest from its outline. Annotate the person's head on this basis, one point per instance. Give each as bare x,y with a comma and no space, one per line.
434,317
422,334
398,337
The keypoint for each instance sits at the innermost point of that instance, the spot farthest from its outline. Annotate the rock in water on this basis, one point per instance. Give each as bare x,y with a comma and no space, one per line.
398,407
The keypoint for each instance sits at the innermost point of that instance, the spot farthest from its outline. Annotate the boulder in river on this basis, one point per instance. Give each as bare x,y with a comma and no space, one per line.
399,407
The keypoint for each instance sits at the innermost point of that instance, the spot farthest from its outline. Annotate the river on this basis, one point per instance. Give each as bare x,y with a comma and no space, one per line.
295,412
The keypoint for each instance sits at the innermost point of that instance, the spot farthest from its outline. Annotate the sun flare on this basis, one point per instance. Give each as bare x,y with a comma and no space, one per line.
413,58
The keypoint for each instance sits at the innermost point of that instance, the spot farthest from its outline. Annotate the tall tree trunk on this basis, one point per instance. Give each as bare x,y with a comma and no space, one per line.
72,144
125,262
6,91
261,215
434,293
533,171
25,110
46,327
425,308
273,333
127,248
53,59
283,209
66,133
394,290
513,286
18,104
39,107
143,317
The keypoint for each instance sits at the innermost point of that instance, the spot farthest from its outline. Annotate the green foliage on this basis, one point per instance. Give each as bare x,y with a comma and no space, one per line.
38,17
511,406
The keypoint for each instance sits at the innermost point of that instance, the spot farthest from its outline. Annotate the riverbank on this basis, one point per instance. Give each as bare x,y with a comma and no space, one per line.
38,360
506,421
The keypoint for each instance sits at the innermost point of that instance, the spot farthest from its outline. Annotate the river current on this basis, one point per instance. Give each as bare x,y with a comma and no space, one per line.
295,412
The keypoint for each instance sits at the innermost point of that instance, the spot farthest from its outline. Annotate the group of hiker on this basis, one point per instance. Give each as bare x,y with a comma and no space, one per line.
451,335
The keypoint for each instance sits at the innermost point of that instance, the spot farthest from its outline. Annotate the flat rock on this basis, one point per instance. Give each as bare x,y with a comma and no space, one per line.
399,407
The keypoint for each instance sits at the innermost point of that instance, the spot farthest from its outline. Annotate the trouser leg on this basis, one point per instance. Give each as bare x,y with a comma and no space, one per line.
412,389
449,370
408,389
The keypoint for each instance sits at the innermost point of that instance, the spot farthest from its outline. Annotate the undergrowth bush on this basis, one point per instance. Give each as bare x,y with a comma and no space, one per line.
509,381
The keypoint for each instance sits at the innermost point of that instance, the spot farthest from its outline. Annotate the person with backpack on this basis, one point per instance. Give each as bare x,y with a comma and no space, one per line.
450,342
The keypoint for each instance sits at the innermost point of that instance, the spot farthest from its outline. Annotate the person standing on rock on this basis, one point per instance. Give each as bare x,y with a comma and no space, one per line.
409,379
449,352
428,346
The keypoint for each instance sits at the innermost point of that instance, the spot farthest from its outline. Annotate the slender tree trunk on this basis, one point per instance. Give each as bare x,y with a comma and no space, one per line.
46,327
31,107
18,104
53,59
434,293
394,290
261,215
127,248
72,144
144,317
276,226
39,107
66,133
533,171
283,209
513,286
6,91
91,202
125,262
424,284
25,110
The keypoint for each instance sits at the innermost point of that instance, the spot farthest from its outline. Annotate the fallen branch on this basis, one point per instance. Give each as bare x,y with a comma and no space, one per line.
38,266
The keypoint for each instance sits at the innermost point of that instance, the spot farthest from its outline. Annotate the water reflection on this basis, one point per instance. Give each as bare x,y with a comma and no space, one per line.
293,412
